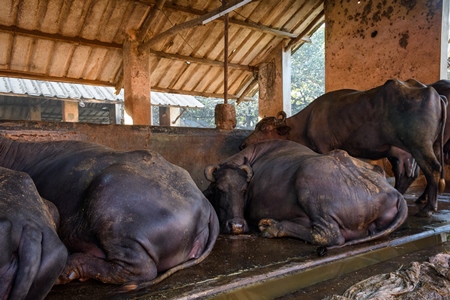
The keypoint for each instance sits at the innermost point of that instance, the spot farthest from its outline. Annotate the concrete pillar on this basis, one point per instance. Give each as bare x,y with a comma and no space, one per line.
225,116
136,81
164,116
69,111
274,79
35,111
369,42
167,116
112,114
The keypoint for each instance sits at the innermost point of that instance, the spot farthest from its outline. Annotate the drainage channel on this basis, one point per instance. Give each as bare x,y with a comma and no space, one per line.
297,276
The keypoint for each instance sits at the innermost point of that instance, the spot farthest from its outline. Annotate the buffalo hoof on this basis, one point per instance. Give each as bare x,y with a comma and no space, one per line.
269,228
424,213
70,271
421,201
321,251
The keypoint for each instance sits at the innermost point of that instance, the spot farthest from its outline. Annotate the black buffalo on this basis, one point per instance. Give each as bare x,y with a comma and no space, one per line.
31,254
288,190
398,120
126,217
443,89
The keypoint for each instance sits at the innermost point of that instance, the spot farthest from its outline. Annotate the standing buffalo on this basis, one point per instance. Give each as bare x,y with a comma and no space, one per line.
398,120
289,190
31,254
443,89
125,216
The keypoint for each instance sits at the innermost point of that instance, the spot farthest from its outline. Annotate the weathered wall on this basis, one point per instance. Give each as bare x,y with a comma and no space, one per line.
191,148
274,78
375,40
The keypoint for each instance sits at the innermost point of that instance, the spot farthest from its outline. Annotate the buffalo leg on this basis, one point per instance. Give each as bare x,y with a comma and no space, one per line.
52,262
404,174
322,233
8,260
29,252
83,266
431,169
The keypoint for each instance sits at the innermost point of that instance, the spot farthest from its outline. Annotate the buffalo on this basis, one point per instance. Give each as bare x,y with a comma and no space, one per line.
127,217
403,121
287,190
31,254
443,89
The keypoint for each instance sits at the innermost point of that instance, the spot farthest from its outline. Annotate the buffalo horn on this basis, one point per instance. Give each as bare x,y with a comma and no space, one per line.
209,170
281,120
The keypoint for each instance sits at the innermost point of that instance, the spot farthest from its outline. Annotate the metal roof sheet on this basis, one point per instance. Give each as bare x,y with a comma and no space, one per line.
59,90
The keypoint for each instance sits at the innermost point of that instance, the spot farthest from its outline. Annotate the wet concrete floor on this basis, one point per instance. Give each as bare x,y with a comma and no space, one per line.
251,267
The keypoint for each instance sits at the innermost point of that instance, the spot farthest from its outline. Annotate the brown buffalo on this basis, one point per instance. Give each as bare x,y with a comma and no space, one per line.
398,120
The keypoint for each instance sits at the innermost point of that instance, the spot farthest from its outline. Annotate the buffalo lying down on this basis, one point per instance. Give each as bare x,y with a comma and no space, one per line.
125,216
31,254
288,190
398,120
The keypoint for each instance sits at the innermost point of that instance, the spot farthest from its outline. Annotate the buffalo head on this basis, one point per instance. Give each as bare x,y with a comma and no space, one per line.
227,194
269,128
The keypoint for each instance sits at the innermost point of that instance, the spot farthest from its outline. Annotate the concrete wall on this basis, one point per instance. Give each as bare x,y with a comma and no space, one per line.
370,41
191,148
274,79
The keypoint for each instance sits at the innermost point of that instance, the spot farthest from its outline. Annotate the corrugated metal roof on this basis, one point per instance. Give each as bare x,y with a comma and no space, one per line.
73,91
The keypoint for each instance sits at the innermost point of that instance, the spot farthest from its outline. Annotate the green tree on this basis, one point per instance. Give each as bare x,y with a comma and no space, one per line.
308,71
307,83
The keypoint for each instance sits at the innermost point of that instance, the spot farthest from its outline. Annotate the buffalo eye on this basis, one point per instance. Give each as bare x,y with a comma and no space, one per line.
244,190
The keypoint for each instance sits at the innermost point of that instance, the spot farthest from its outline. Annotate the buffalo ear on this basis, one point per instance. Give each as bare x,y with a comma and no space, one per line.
247,168
209,170
283,130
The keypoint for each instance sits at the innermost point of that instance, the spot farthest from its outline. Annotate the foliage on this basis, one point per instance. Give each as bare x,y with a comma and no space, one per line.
308,72
246,114
307,83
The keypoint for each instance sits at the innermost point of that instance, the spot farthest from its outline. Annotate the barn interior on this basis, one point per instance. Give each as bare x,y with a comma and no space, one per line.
234,50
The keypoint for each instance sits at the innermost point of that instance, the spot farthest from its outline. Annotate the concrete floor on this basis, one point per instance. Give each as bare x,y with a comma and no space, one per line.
251,267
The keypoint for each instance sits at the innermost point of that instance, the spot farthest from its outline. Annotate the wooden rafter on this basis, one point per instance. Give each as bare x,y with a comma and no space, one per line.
186,25
57,37
312,25
36,76
154,12
266,29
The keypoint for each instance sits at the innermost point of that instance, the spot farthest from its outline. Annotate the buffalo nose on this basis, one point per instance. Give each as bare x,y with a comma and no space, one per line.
235,226
242,146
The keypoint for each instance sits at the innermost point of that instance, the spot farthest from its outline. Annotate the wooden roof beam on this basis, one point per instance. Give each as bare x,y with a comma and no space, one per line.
266,29
186,25
36,76
57,37
311,25
145,28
